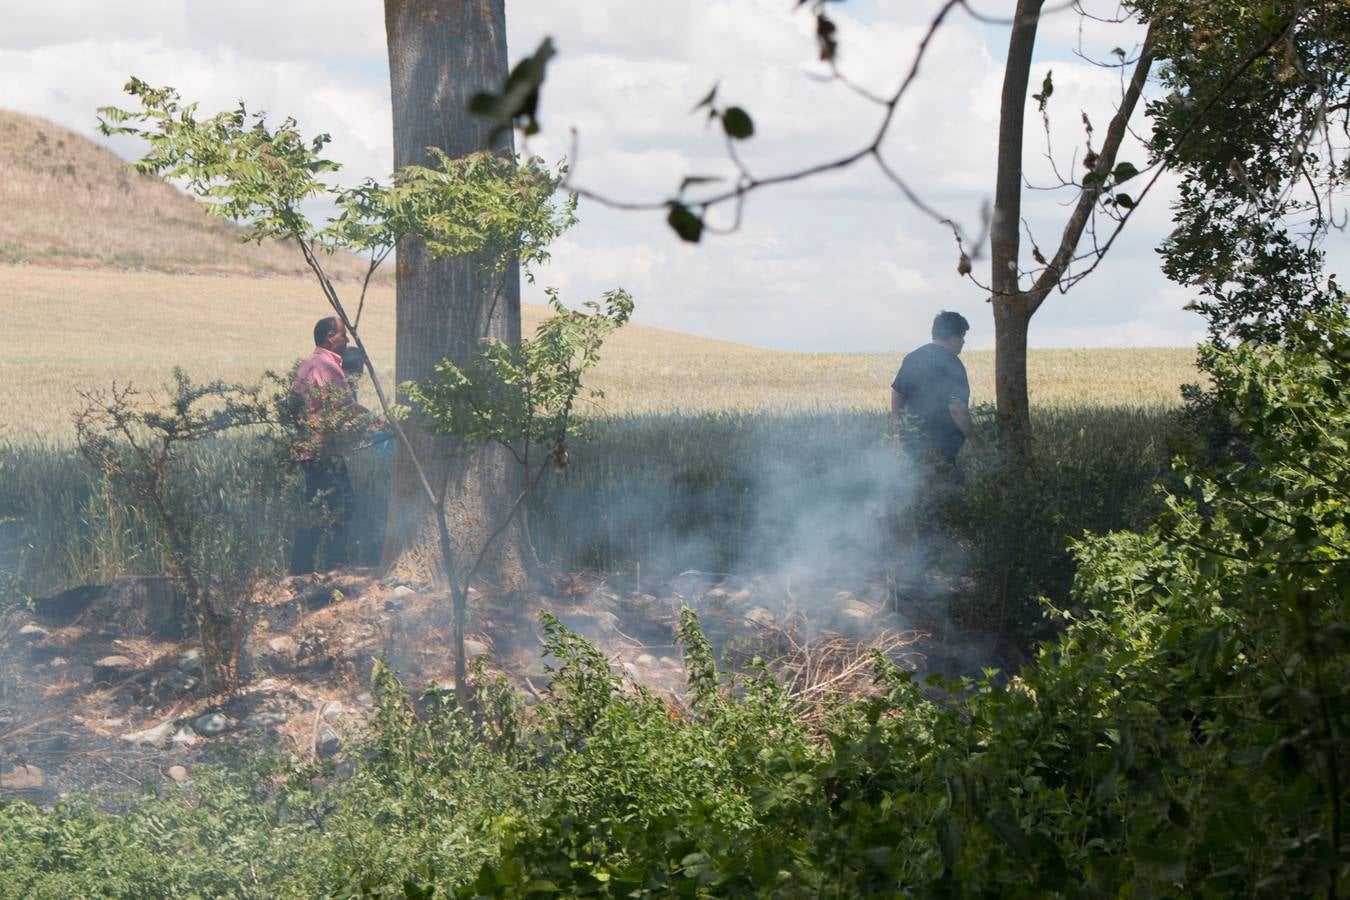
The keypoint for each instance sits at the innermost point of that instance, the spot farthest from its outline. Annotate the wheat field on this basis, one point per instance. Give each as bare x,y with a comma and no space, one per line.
67,330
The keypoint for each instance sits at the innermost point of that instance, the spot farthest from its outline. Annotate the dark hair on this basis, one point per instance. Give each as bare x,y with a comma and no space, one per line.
949,325
326,328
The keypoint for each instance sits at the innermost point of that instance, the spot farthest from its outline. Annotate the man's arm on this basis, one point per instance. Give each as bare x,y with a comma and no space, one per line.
897,410
961,416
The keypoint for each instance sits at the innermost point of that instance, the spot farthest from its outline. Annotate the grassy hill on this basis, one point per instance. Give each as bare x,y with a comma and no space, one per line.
66,201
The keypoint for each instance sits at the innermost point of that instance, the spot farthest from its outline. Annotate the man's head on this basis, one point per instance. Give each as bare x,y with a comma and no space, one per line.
949,330
329,334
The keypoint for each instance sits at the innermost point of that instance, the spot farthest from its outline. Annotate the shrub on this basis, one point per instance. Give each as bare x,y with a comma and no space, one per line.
146,450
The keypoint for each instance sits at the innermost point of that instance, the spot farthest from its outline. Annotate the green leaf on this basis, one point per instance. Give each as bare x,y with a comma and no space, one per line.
1008,831
1047,88
1125,200
1124,171
949,840
518,102
737,124
541,886
687,225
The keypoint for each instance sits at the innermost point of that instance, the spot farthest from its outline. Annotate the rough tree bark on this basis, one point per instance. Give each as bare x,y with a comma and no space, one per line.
1013,305
440,53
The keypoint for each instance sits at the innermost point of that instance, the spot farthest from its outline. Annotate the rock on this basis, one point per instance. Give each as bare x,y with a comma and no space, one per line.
333,710
32,632
403,591
110,667
191,662
851,615
474,649
179,774
741,596
365,700
57,661
23,778
212,724
264,720
156,736
185,736
759,616
68,636
717,594
328,743
174,683
284,647
645,659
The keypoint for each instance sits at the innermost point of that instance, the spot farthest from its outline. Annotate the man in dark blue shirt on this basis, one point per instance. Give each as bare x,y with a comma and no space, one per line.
932,387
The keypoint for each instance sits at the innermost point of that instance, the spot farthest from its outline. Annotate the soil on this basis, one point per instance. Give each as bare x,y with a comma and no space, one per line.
92,701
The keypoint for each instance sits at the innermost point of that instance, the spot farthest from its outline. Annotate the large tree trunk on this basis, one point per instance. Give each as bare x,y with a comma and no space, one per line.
1012,309
440,53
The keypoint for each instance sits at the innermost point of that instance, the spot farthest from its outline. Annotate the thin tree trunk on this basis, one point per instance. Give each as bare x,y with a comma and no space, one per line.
1011,307
441,52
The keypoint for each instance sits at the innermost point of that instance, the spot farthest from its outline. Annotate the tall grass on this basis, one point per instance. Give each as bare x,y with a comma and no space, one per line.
727,492
67,525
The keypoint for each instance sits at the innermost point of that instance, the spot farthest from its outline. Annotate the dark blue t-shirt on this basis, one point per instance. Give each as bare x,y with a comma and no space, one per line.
929,380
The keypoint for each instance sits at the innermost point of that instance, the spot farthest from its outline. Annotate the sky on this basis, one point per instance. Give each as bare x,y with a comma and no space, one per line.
839,262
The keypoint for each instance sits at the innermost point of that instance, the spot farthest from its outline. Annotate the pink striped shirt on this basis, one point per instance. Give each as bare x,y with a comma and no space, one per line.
320,376
323,384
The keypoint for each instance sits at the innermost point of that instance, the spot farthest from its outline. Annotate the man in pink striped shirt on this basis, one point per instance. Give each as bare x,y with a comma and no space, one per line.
329,409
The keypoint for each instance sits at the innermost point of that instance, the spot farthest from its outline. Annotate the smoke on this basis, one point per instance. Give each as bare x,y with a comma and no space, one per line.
829,518
817,510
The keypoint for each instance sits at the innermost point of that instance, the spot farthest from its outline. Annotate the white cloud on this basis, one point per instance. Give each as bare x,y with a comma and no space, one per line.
840,261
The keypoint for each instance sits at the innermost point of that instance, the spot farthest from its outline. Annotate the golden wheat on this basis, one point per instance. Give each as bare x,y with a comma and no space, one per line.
72,330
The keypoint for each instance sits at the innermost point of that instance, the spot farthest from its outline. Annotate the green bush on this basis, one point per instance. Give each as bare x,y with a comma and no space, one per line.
1184,735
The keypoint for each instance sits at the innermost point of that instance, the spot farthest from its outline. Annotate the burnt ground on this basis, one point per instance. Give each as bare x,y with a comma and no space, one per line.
94,697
